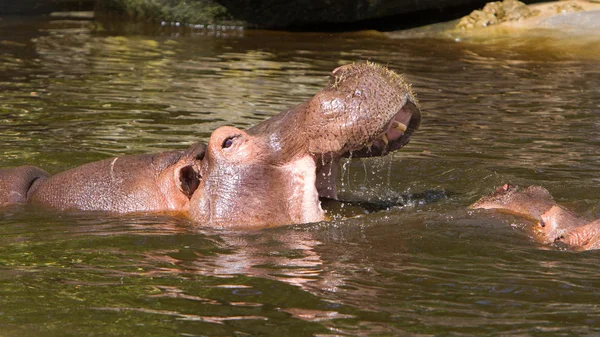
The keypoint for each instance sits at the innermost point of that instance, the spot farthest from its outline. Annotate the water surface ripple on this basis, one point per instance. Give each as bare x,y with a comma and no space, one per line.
74,92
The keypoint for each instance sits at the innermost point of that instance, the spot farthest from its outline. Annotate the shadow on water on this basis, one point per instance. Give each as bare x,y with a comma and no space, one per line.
73,92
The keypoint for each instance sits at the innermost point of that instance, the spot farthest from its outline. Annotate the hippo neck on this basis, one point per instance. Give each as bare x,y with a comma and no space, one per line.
285,143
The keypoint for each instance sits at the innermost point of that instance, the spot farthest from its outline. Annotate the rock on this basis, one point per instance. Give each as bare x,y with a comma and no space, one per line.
36,7
175,11
503,18
317,13
295,14
513,13
495,13
27,7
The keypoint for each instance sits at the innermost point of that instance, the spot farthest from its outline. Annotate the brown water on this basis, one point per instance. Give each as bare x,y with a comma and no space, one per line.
524,110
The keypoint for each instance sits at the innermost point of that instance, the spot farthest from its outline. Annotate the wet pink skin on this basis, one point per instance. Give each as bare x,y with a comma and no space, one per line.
556,222
553,223
586,237
530,202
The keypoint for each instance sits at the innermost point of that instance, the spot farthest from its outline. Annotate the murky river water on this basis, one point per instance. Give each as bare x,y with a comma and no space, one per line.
524,110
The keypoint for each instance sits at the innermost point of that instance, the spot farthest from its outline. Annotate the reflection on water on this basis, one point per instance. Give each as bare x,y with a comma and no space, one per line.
512,110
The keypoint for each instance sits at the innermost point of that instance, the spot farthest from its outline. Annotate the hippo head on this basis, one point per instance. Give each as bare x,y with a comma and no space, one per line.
274,173
557,222
529,202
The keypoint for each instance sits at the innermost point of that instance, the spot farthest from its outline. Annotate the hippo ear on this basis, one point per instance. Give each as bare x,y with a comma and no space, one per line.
189,175
189,180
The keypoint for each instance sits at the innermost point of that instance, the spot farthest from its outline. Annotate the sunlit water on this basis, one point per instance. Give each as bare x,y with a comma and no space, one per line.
524,110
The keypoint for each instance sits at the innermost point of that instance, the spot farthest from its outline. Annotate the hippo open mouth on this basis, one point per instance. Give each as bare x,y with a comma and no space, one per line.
397,134
275,172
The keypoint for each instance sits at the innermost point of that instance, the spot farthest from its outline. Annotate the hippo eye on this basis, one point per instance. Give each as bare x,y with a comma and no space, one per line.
228,142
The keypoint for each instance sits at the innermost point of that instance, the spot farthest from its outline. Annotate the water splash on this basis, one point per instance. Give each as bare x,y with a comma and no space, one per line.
345,174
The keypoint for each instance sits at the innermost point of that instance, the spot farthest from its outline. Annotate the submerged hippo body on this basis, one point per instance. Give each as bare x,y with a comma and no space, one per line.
554,223
138,183
271,174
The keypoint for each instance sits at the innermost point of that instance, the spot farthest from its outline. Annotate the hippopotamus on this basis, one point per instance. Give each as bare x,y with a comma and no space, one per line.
553,222
268,175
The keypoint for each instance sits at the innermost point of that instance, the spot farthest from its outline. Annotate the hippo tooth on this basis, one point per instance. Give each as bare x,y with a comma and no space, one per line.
399,126
385,139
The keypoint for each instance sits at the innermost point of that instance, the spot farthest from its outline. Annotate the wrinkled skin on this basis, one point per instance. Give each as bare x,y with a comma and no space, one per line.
271,174
554,223
586,237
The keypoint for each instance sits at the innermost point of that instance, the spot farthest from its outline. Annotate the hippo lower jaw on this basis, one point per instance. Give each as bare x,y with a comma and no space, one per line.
303,177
